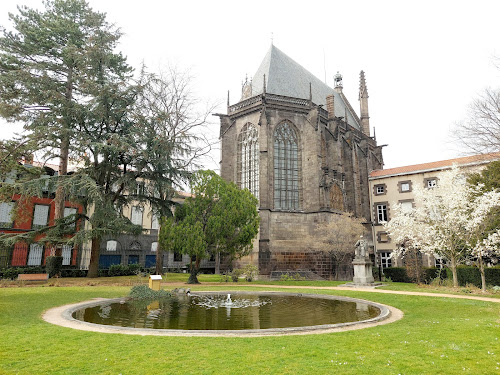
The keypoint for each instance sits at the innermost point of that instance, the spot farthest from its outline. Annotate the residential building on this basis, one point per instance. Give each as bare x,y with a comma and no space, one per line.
396,185
26,216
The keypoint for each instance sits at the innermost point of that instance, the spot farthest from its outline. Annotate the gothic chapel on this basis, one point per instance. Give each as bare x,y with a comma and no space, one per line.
301,149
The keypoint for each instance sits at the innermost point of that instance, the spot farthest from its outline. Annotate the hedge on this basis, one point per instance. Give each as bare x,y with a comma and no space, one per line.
399,275
465,274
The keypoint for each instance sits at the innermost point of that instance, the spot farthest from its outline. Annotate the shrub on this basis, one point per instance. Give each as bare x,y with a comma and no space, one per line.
236,274
250,272
73,272
397,274
430,274
225,277
12,272
53,265
144,292
294,277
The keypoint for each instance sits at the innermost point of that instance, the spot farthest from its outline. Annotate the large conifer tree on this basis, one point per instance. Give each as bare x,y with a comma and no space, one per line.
51,64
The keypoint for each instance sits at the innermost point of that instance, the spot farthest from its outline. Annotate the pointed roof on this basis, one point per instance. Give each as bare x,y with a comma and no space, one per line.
286,77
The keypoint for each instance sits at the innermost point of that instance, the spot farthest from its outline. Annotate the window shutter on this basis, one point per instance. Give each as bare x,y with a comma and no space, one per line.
66,254
35,255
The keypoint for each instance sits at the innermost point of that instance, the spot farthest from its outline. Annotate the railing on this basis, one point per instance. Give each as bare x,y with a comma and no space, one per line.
270,98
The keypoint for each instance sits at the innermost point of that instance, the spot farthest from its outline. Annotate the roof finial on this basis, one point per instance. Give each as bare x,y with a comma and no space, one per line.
228,98
363,104
264,85
338,82
310,92
272,38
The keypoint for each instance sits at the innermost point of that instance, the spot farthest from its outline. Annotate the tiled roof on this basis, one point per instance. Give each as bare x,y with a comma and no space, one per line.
436,165
284,76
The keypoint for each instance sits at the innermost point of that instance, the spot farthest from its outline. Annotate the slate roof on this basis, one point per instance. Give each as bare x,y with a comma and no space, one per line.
286,77
435,165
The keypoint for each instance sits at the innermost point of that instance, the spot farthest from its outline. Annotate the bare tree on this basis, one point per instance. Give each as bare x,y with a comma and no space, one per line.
337,239
480,132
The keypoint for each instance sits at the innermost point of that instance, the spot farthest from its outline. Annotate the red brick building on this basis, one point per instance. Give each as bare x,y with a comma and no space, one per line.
31,215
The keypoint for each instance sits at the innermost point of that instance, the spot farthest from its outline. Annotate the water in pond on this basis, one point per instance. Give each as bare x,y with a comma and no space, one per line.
223,312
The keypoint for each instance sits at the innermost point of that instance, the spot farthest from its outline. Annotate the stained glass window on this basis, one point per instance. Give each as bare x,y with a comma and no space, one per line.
286,168
248,159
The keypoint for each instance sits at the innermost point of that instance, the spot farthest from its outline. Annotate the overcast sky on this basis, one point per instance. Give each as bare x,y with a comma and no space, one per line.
424,61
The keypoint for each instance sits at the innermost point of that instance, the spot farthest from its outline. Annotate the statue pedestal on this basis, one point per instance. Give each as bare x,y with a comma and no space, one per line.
362,271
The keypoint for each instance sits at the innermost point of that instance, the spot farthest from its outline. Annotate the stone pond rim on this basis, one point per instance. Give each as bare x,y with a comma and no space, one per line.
62,316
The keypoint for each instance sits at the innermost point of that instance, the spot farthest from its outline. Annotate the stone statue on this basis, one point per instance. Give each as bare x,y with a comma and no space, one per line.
362,265
360,251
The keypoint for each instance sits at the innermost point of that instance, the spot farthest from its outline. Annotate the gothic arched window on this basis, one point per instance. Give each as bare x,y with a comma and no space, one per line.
248,159
286,168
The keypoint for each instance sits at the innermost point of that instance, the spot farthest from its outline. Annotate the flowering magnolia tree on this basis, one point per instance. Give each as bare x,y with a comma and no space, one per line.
449,221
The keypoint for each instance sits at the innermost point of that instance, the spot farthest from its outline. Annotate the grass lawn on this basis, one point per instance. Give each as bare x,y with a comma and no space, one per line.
436,336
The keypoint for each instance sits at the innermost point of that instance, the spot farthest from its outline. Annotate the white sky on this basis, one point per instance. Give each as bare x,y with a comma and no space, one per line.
425,61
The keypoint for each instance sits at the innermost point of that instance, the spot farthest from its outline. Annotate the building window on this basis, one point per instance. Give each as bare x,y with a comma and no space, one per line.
154,247
35,254
136,215
40,216
404,186
139,188
430,182
380,189
111,245
6,214
385,259
248,159
286,168
66,254
383,237
177,257
155,223
439,262
68,211
406,206
381,212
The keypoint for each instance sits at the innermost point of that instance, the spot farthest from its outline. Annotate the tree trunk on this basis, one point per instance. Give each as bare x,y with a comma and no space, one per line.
63,163
483,276
194,271
94,258
453,268
159,257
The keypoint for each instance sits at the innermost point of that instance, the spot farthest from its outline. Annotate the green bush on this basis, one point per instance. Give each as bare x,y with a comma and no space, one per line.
236,274
434,273
12,272
397,274
53,265
144,292
471,275
73,272
250,272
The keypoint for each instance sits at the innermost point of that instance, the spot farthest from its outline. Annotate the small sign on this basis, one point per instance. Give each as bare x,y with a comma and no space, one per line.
155,277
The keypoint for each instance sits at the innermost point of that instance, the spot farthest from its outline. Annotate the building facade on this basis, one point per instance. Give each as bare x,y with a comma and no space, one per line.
395,185
21,216
302,150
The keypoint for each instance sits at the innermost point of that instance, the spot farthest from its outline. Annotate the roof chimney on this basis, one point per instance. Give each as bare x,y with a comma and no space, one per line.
330,106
